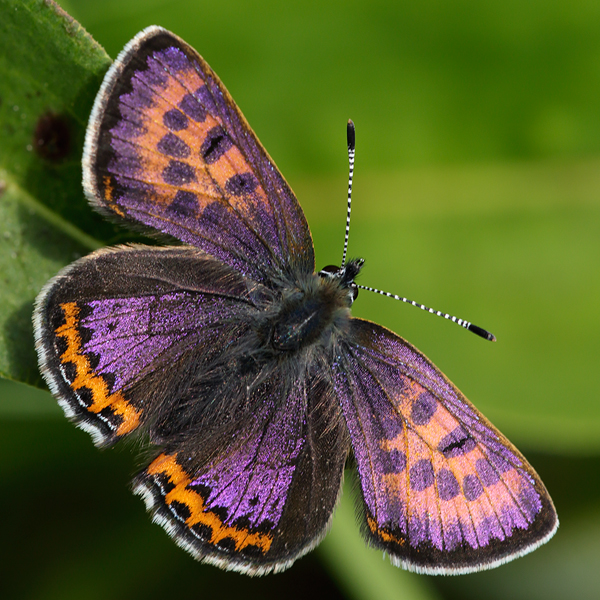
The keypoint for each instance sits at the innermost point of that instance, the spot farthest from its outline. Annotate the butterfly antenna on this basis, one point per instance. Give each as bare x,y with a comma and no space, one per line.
469,326
351,136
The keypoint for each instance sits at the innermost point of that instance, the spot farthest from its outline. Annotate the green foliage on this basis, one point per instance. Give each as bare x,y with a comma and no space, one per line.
51,69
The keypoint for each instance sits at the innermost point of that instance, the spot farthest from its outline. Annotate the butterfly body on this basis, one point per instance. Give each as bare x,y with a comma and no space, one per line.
308,314
244,368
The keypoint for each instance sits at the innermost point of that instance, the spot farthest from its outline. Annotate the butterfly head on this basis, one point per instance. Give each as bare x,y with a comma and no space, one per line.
345,276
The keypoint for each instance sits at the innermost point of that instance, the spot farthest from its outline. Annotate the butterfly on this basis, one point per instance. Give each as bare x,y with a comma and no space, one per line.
243,367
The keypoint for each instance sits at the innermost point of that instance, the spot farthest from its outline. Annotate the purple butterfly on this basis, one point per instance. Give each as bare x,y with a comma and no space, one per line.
244,368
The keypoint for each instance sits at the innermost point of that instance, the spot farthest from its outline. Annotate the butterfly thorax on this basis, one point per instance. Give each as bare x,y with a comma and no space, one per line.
315,309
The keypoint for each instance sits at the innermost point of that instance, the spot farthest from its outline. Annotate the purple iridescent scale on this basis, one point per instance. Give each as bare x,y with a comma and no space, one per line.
251,479
432,470
130,336
179,157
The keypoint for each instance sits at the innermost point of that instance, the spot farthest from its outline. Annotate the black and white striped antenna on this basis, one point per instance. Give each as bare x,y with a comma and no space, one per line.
466,324
351,136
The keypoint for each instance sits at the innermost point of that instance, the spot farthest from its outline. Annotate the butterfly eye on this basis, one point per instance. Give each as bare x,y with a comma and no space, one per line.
330,271
344,276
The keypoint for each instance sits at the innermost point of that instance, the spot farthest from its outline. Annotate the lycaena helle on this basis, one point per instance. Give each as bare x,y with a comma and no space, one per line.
244,368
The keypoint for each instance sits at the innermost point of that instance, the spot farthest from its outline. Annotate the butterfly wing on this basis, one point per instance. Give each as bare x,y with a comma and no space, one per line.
254,490
120,331
161,340
168,148
444,491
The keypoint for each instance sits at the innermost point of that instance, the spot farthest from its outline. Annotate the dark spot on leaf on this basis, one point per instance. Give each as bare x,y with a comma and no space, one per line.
52,137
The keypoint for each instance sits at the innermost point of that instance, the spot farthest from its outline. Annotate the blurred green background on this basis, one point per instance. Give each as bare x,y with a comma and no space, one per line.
477,191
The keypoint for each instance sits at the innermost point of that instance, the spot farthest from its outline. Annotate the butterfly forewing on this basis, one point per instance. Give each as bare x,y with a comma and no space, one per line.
168,148
121,331
444,491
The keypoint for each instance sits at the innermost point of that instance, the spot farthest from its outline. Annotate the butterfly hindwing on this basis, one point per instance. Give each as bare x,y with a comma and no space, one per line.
444,491
254,490
168,148
120,331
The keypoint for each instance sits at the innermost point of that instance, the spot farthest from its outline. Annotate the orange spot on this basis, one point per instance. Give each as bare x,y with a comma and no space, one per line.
408,394
397,443
108,189
167,465
383,535
85,376
412,391
108,195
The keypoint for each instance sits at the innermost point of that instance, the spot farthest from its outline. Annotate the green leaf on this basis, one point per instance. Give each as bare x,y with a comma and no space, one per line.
20,402
50,70
34,245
